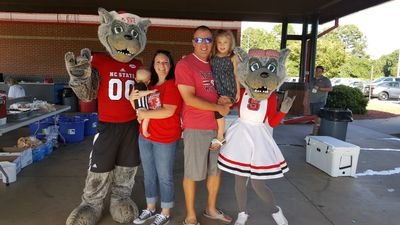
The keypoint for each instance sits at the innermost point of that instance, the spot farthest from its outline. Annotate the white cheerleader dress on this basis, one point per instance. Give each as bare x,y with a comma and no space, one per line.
250,149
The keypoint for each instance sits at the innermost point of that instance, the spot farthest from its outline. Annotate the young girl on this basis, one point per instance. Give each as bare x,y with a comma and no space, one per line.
223,63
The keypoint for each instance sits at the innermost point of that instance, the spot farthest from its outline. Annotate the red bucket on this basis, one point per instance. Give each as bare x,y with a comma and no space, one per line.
88,107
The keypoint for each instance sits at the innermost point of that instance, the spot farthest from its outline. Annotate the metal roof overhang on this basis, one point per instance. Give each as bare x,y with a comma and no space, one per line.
299,11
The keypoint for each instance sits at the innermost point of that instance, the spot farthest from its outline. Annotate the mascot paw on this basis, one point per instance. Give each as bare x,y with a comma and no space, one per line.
78,67
84,215
123,210
287,103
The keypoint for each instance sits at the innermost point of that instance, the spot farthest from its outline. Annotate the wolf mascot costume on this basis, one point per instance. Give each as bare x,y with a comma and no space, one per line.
250,151
110,78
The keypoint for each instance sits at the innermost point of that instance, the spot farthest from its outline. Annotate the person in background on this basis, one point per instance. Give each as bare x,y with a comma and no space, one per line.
223,64
157,151
15,90
195,83
318,89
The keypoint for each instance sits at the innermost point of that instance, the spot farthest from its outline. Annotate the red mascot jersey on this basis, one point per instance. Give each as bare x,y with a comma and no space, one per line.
116,83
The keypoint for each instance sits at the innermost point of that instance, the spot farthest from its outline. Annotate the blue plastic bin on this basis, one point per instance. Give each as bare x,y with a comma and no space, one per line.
39,128
72,129
90,123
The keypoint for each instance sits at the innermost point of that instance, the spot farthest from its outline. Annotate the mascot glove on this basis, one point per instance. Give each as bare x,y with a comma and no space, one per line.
79,68
287,103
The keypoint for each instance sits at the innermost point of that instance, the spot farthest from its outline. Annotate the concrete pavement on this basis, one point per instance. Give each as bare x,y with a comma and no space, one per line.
47,191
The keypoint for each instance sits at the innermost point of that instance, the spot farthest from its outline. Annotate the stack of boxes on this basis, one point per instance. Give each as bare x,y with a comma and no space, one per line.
14,159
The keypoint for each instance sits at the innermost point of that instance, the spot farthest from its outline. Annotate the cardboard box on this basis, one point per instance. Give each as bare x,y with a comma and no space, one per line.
10,166
25,154
333,156
13,149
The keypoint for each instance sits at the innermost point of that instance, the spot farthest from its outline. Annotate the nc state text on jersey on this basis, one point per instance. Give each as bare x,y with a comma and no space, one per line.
122,75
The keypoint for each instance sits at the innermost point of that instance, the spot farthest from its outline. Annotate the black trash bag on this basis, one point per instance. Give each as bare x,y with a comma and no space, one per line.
335,114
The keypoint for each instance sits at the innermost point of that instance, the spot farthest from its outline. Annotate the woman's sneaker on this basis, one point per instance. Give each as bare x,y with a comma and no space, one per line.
241,219
145,215
160,220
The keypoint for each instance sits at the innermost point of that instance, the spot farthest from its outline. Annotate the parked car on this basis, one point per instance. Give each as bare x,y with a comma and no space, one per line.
378,81
292,79
357,84
384,79
343,81
385,90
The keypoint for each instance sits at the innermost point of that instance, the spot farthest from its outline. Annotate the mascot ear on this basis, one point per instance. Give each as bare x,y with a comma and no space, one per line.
282,74
284,53
241,54
105,16
144,25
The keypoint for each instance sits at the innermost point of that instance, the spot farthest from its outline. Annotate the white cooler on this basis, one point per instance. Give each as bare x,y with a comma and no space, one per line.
333,156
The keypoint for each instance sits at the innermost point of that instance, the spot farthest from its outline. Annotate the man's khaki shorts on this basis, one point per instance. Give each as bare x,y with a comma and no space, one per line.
199,160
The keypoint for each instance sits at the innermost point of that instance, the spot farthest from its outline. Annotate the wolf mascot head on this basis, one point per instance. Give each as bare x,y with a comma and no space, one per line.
261,71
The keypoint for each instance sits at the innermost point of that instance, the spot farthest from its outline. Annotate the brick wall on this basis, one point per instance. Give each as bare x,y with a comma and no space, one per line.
36,50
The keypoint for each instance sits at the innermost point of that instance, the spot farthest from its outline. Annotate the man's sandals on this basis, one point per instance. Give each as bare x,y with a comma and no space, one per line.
216,144
219,216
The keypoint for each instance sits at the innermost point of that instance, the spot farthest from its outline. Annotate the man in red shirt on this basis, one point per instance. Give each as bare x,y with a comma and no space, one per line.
196,85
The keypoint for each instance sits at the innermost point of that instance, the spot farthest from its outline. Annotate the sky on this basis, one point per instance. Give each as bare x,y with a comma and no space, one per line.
380,25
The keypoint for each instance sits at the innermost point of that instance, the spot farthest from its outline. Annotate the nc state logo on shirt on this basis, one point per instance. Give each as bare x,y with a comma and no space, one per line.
253,105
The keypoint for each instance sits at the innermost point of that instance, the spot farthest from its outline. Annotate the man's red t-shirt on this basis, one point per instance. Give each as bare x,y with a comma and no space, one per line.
190,71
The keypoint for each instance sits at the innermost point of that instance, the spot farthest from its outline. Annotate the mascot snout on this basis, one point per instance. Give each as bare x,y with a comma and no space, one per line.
264,75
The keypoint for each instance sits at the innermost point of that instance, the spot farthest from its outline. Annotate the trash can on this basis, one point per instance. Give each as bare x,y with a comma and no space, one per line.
69,98
334,122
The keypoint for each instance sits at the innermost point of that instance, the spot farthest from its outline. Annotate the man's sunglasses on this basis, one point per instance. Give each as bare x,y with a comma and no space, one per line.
200,40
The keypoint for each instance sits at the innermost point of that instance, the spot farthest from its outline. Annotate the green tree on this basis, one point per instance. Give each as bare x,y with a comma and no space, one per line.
293,62
353,39
342,51
277,30
356,67
258,38
331,54
381,62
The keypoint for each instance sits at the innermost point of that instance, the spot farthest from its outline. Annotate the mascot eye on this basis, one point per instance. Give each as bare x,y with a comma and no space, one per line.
254,67
134,33
118,29
271,67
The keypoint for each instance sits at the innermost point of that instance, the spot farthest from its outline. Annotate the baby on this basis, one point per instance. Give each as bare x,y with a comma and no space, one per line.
146,101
